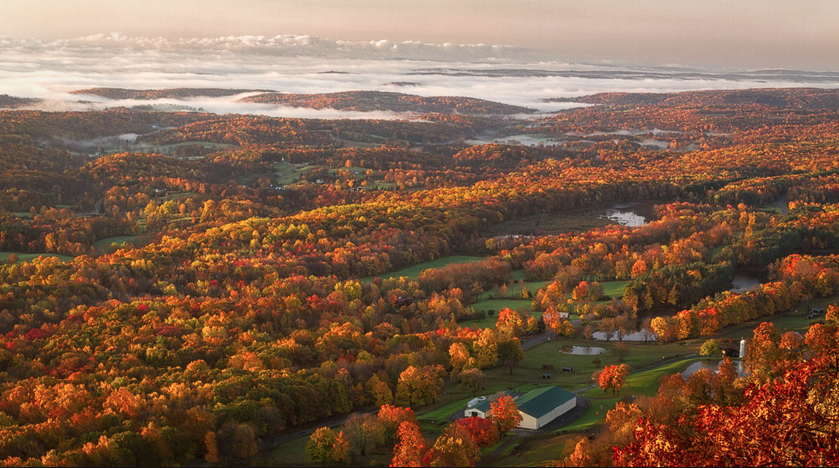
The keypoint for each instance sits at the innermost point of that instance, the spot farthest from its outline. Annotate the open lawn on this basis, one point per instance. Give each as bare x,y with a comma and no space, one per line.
175,196
102,245
170,149
289,174
496,305
441,413
537,450
359,144
530,369
645,382
717,250
598,407
414,271
29,256
291,453
614,289
514,289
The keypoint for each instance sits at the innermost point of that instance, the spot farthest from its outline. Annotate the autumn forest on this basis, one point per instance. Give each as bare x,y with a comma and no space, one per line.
186,288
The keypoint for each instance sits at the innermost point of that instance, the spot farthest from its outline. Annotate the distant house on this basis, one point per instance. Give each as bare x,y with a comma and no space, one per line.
730,352
537,407
815,312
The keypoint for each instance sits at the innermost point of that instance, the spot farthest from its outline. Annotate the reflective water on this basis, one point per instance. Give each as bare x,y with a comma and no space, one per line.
712,365
622,213
634,336
655,143
523,140
743,282
582,350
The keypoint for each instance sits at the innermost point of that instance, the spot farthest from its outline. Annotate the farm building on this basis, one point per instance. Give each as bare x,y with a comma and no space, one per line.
537,407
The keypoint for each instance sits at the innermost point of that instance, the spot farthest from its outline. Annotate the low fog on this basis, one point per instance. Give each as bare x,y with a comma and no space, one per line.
305,64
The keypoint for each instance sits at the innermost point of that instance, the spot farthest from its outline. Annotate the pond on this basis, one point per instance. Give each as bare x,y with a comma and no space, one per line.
582,350
622,213
742,282
712,365
639,335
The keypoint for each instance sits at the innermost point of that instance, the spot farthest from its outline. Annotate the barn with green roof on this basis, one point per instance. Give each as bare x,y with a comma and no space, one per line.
537,407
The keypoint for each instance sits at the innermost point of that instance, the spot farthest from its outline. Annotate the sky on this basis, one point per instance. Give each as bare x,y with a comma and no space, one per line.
744,34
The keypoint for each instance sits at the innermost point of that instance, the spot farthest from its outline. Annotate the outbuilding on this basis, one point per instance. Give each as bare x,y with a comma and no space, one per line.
537,407
541,406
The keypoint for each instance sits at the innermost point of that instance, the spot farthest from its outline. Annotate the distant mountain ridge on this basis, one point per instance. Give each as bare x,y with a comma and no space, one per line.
171,93
7,101
369,101
788,98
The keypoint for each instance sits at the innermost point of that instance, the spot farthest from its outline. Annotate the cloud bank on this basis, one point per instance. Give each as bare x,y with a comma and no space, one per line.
307,64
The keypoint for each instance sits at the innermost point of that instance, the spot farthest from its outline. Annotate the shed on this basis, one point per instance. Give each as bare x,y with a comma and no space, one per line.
537,408
541,406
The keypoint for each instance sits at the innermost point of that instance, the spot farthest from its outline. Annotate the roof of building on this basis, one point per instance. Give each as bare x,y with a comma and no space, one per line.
542,401
535,403
484,406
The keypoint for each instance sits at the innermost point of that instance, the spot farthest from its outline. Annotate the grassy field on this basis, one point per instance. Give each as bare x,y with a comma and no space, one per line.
102,245
292,453
29,256
414,271
289,173
540,450
381,185
614,288
175,196
645,382
496,305
598,407
170,149
530,370
359,144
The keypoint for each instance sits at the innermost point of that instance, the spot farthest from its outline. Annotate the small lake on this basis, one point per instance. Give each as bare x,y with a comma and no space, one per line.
521,140
582,350
624,214
712,365
743,282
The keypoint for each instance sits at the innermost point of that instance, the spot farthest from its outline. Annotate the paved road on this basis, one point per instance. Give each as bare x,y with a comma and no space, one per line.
490,457
536,340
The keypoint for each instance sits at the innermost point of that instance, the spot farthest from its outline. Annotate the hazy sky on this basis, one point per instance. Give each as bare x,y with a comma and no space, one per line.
734,33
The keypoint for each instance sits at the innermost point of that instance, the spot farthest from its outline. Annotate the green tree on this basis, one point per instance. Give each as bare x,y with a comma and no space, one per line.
711,347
